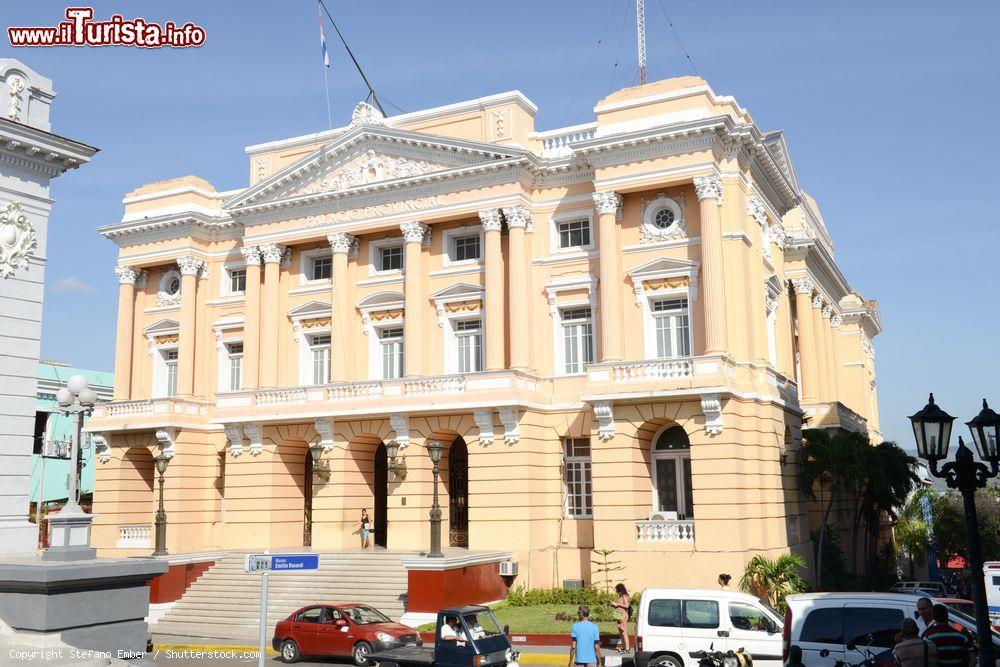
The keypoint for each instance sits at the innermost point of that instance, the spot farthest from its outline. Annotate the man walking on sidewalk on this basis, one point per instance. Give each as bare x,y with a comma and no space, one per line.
585,641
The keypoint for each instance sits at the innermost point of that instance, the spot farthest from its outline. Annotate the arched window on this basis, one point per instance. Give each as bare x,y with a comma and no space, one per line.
671,457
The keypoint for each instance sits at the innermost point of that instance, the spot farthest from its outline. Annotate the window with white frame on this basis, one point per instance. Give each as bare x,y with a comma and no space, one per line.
573,234
319,350
577,338
321,267
469,345
390,340
389,258
234,362
170,372
579,501
671,462
671,327
465,248
237,281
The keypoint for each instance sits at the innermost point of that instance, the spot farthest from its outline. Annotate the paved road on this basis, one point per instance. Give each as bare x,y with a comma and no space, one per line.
227,660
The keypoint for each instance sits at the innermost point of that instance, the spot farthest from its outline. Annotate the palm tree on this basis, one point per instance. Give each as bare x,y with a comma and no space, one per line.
774,579
891,478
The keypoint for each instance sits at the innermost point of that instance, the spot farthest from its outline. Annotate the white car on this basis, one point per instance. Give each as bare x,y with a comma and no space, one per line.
673,623
935,588
841,626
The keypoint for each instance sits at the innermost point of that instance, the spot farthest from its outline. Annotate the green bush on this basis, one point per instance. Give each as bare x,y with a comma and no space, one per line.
521,597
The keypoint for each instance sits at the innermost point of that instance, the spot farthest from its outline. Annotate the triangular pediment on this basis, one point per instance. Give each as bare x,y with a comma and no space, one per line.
162,327
367,157
458,291
663,266
310,309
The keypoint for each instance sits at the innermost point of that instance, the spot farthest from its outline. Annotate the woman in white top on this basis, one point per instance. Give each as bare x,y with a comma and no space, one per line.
449,631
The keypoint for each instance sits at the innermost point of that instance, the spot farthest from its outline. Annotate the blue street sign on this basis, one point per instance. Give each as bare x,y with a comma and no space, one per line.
281,562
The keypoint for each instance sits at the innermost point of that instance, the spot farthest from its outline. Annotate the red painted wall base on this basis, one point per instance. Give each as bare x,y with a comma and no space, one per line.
433,590
170,586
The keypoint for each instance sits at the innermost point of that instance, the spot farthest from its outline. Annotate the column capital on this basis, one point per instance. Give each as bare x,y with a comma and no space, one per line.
271,252
827,312
416,232
517,216
130,275
803,285
190,266
818,301
708,187
756,209
342,242
607,202
251,254
490,219
836,321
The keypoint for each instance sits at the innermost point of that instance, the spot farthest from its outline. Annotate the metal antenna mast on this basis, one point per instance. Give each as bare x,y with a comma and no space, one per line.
640,24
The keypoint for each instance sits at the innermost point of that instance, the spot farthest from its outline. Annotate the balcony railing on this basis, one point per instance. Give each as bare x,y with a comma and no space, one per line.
135,536
281,396
665,531
351,391
430,386
126,408
657,369
556,143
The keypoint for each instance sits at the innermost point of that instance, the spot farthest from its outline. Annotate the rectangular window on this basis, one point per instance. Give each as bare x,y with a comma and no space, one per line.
576,478
670,320
235,354
574,234
390,259
320,348
578,339
170,361
321,268
465,248
237,281
391,341
469,339
702,614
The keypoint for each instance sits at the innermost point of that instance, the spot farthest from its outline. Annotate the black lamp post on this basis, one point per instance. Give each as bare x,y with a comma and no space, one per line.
161,514
932,430
434,450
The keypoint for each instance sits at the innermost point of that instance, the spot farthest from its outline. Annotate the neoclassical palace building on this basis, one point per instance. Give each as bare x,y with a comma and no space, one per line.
616,330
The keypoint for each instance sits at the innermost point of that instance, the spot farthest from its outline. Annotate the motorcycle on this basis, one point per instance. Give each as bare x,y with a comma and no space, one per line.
871,659
710,658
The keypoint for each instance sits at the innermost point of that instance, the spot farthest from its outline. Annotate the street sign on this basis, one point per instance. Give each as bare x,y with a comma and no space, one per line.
281,562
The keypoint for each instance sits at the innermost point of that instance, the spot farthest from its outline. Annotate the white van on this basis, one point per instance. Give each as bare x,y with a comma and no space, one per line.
672,623
823,625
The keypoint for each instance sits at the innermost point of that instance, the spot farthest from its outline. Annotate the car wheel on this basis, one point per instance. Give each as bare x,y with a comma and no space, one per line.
290,651
362,654
665,661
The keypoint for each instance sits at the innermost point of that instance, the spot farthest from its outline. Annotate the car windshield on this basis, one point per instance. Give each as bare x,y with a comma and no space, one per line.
363,615
482,625
970,623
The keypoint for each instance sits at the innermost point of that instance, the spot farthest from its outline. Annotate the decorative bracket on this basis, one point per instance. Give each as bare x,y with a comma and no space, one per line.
255,434
234,438
605,416
484,420
101,446
511,431
166,437
400,424
324,427
711,407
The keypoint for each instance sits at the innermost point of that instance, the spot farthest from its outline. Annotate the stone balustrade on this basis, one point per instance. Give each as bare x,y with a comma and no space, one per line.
126,408
430,386
135,536
556,143
665,531
657,369
353,391
281,396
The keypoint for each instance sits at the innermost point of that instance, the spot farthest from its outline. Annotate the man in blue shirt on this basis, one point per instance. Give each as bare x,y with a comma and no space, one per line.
585,645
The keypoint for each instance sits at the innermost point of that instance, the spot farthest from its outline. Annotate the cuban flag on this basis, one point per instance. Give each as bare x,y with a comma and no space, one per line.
322,41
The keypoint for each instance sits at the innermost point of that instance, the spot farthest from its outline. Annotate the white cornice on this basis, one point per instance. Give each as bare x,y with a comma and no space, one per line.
188,189
39,151
669,95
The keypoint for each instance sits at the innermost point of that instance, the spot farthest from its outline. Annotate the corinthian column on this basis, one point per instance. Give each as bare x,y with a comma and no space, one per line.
415,234
127,277
608,204
709,190
809,389
272,254
835,322
251,318
342,361
190,267
494,290
831,366
819,325
518,218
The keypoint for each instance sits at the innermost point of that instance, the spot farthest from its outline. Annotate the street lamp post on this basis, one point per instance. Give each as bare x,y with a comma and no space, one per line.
434,450
932,431
160,548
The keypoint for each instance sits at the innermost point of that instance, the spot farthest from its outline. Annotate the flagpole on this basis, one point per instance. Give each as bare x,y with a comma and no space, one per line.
324,66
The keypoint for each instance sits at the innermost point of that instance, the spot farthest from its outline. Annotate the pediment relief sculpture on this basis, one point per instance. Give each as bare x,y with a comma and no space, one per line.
371,167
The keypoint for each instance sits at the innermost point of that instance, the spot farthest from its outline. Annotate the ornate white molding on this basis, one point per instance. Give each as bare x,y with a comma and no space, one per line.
251,254
607,202
518,216
400,425
365,114
818,301
166,437
605,416
836,321
130,275
324,427
190,266
272,253
651,232
255,435
342,242
554,287
234,438
511,430
416,232
17,238
803,285
779,235
102,448
371,168
826,312
772,294
490,220
711,407
484,422
708,187
15,86
756,209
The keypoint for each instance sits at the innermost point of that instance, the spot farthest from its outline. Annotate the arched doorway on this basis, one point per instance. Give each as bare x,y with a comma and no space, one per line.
671,459
380,520
458,493
307,500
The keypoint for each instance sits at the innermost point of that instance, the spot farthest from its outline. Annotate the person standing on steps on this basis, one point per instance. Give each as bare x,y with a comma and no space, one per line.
585,641
623,608
366,530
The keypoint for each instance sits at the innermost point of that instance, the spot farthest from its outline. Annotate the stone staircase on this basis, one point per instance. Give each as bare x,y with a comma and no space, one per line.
224,602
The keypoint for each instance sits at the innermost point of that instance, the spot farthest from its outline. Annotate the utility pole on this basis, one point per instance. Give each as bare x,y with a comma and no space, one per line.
640,24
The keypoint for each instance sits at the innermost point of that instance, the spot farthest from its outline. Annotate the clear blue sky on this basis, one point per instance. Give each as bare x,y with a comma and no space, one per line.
890,109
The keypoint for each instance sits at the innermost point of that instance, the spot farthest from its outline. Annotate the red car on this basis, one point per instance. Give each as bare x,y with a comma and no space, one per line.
344,630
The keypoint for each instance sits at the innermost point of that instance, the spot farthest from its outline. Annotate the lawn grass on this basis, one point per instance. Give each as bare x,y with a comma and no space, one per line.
540,619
